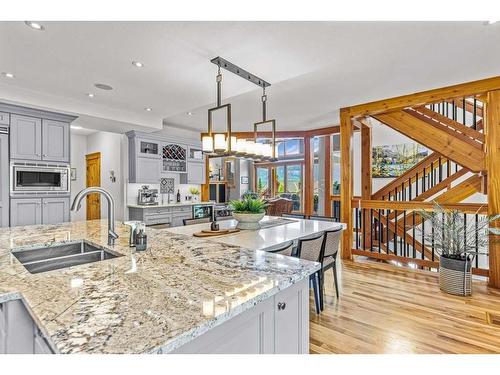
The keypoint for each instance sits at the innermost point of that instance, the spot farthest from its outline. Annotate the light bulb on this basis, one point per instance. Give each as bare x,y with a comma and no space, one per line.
219,142
207,143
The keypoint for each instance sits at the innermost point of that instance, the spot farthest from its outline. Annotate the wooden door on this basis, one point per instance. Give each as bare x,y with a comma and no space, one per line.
93,179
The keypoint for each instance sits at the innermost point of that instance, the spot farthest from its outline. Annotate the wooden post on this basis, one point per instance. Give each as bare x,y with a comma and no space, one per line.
366,179
308,176
346,158
205,188
328,175
493,180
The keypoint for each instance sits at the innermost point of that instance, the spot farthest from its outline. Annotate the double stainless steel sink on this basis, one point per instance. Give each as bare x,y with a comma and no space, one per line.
53,257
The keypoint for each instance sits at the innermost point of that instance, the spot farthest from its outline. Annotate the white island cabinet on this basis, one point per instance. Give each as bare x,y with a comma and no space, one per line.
278,325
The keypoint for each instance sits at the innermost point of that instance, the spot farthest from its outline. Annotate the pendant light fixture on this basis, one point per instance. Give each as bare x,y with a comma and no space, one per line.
216,143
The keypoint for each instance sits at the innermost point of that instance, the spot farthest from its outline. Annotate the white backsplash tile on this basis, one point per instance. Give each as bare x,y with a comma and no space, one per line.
132,191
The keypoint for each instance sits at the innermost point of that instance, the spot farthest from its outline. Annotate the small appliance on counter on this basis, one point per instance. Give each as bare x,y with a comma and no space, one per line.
201,211
147,196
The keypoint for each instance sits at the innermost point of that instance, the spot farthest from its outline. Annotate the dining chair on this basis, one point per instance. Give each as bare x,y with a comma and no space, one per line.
296,216
311,248
200,220
283,249
328,258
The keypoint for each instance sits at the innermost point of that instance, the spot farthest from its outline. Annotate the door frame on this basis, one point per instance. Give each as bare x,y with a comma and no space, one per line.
88,157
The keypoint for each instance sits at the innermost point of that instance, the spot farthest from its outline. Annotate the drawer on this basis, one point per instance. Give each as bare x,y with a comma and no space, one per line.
182,209
157,211
4,118
157,221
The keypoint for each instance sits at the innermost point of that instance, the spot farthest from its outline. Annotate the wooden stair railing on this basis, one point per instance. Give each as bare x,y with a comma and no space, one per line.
436,138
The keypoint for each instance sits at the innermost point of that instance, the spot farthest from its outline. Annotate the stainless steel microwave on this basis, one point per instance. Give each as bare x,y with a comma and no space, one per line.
37,178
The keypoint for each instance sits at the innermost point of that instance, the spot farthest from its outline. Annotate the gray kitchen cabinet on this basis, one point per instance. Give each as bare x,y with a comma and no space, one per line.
4,118
148,170
18,332
161,215
4,176
25,211
34,211
55,210
55,140
195,173
25,137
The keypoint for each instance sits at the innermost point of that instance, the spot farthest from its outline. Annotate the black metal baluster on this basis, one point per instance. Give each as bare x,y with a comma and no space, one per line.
432,236
356,228
423,181
379,231
448,168
465,232
474,116
413,228
440,170
371,229
363,223
396,232
416,185
477,241
409,189
463,111
404,232
387,213
454,108
423,238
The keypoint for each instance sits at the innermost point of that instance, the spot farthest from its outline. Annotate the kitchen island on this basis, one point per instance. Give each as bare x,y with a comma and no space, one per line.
182,295
274,231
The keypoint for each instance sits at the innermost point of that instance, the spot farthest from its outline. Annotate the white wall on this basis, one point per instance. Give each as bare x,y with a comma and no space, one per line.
109,145
78,152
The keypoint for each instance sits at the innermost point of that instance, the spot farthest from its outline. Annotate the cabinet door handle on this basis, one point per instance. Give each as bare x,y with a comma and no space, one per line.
281,306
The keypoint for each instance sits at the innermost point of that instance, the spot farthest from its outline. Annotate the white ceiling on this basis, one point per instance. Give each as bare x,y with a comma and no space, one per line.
314,67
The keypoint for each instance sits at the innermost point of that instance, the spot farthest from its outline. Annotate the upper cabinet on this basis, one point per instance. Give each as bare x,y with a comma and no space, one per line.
55,140
25,137
151,156
36,134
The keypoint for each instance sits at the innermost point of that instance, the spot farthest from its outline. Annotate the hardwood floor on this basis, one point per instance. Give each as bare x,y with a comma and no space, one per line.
383,309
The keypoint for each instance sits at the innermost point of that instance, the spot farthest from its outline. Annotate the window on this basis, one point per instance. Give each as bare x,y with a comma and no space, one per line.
262,180
290,148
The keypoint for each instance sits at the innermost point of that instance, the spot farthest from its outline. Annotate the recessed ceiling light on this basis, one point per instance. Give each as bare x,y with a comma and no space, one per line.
189,113
492,22
90,95
35,25
148,109
138,64
103,86
8,75
76,127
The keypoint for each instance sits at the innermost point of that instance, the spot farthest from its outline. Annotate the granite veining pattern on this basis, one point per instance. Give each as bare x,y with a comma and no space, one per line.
147,302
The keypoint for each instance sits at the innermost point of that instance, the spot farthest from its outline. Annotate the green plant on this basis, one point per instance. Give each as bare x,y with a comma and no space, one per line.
453,237
194,191
249,206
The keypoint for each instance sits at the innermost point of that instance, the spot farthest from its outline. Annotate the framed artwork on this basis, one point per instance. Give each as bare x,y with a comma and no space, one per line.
390,161
73,174
244,179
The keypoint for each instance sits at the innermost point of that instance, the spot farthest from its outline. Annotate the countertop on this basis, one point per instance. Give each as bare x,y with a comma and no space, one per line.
149,302
170,205
263,238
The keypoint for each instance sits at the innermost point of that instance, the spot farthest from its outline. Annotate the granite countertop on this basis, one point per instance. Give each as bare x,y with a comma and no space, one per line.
171,204
265,238
149,302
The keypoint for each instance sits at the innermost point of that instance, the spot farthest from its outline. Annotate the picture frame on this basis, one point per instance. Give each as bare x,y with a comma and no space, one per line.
244,179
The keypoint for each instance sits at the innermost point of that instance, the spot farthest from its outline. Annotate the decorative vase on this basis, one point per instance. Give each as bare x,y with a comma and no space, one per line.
455,275
248,221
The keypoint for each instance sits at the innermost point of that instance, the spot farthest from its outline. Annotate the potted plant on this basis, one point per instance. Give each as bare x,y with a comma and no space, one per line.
455,241
194,192
248,212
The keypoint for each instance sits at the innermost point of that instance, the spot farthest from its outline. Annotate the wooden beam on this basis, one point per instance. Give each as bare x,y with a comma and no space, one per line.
366,176
346,182
328,175
308,198
425,97
493,171
435,138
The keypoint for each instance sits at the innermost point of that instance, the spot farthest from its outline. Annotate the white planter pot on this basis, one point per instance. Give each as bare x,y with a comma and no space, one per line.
248,221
